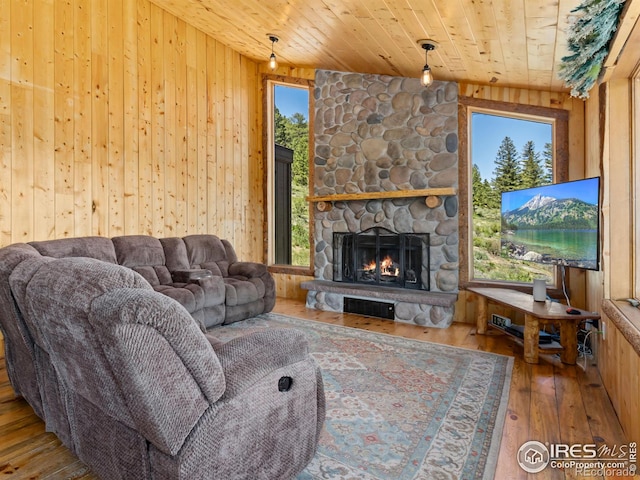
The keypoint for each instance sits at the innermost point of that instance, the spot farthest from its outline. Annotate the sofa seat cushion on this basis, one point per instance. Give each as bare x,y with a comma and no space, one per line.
155,275
189,295
214,289
221,268
241,290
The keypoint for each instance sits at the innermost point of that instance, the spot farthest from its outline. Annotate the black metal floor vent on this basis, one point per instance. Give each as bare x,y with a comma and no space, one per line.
369,308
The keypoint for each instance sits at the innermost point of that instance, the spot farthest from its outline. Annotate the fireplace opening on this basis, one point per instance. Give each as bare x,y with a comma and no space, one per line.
380,256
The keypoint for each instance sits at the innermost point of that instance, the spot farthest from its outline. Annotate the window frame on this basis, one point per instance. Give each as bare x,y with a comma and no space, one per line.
635,157
268,87
466,106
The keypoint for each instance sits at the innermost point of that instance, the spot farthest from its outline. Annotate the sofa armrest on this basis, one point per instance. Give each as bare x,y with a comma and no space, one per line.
254,270
248,269
190,275
248,359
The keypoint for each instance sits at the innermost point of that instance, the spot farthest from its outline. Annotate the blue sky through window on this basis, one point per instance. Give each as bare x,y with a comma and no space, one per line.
291,100
488,132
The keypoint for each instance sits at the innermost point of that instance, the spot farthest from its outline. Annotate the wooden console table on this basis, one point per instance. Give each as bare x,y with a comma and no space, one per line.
536,314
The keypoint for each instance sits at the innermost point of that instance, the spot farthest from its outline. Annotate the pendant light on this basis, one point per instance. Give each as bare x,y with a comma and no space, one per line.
427,76
273,62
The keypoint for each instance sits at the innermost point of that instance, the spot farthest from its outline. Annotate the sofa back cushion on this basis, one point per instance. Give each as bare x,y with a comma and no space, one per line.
55,298
145,255
211,253
99,248
175,253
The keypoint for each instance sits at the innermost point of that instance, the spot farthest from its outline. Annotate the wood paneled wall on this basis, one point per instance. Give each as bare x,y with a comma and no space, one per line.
610,125
118,118
619,366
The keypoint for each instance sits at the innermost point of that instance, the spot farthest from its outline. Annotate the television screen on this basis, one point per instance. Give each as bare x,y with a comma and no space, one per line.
553,224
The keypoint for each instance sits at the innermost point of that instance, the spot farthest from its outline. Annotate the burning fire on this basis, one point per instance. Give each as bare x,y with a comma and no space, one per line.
386,267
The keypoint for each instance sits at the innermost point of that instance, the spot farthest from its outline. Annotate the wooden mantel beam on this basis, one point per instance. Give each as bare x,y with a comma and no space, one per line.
344,197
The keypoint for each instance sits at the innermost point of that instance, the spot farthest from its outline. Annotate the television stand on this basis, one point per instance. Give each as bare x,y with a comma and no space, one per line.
536,314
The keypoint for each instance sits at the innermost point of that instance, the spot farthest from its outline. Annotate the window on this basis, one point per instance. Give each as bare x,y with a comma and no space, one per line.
507,154
288,152
504,147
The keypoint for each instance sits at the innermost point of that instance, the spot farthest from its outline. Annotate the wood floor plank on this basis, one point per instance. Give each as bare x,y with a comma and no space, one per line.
544,421
550,402
605,430
12,409
516,429
6,390
19,433
572,410
72,471
42,462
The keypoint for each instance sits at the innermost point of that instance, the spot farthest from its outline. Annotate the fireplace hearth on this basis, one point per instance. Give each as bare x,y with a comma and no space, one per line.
378,256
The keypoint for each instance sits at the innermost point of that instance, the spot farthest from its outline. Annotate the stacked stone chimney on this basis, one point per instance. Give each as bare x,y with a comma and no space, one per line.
376,133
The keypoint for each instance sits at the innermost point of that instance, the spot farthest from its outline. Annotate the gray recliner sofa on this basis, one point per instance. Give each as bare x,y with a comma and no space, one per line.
201,272
130,383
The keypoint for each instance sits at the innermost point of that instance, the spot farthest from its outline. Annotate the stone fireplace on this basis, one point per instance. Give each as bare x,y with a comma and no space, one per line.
377,137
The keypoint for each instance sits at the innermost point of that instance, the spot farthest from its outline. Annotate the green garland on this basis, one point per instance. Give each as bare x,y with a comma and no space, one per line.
588,40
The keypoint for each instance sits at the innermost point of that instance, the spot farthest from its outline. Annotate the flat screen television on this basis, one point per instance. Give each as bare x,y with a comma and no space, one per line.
554,224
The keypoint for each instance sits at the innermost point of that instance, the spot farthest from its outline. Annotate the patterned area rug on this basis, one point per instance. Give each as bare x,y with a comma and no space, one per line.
399,408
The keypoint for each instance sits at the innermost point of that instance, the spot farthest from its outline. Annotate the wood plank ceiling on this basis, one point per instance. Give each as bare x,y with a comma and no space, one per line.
517,43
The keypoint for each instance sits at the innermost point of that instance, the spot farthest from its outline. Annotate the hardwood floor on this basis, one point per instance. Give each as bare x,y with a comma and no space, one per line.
549,402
